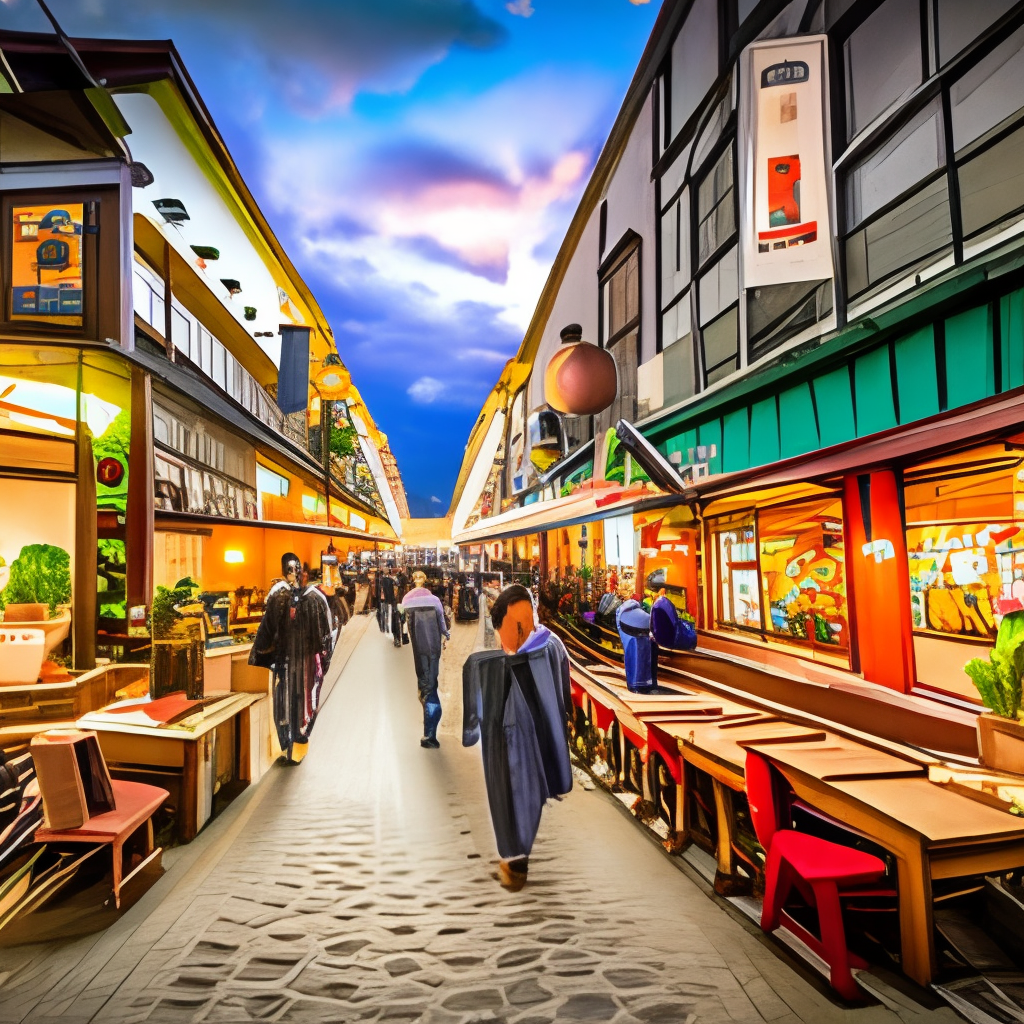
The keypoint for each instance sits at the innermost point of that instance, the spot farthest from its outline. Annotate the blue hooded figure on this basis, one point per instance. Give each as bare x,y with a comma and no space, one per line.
669,631
641,653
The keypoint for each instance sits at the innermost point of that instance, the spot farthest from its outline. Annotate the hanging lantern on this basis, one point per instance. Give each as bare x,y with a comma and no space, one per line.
333,381
580,378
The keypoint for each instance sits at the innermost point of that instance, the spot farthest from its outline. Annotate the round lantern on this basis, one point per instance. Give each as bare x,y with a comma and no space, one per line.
580,378
333,381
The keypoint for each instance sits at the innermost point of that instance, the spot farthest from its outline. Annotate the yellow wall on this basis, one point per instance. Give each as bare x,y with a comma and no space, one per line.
36,512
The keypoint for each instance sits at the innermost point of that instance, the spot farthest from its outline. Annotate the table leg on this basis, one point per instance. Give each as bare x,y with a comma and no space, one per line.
917,928
728,881
188,809
118,849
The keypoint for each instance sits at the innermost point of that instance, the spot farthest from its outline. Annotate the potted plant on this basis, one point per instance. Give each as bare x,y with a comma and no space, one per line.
178,647
998,681
36,591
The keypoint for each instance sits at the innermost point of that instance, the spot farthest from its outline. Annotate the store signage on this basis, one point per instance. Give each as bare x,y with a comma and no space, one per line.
784,207
109,472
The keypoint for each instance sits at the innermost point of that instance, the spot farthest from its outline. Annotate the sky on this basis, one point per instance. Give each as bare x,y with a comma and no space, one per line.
420,160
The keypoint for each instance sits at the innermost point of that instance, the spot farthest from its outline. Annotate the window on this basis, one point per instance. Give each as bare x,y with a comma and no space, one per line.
989,94
803,576
677,343
966,551
739,597
897,233
148,294
181,332
960,22
721,346
219,371
719,287
675,248
694,62
777,312
883,61
620,298
716,207
547,446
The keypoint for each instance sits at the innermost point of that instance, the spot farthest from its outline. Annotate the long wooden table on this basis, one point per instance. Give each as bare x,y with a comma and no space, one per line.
878,789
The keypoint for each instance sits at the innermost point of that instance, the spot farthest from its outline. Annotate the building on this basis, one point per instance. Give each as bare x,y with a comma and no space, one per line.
166,378
800,252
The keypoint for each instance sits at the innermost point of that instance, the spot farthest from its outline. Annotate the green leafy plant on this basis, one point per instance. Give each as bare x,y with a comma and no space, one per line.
164,614
586,572
998,680
343,441
41,574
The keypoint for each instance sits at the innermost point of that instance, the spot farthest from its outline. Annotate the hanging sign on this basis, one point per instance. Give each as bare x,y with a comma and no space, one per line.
109,471
784,212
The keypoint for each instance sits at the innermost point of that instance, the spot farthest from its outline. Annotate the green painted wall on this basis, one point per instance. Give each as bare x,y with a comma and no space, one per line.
981,351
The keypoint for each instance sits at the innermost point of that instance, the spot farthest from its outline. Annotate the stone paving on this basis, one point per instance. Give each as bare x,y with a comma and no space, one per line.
361,886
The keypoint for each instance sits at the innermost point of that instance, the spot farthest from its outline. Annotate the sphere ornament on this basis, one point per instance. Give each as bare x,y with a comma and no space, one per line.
580,379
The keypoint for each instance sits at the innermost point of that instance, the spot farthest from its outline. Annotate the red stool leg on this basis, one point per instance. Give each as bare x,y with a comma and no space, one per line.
833,939
776,886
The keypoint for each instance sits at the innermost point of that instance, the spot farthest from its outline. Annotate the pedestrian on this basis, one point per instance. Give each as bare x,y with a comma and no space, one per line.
516,702
429,628
389,608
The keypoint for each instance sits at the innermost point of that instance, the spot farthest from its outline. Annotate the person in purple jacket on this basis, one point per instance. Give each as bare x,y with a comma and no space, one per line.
428,629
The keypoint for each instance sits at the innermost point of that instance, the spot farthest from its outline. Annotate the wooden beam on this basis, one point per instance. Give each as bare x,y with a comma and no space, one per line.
139,518
83,608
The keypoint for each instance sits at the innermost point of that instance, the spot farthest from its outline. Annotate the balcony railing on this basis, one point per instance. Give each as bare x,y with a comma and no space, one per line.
199,346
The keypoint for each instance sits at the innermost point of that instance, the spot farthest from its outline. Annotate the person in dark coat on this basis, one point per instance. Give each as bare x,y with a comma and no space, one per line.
428,629
516,702
389,606
294,640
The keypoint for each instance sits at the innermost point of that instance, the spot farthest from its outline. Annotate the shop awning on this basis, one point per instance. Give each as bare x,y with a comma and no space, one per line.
585,507
941,434
178,521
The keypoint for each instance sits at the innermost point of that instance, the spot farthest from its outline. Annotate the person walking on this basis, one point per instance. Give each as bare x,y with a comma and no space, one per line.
428,630
389,604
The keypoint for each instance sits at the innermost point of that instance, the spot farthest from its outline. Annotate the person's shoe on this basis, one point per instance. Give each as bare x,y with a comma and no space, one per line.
430,743
512,874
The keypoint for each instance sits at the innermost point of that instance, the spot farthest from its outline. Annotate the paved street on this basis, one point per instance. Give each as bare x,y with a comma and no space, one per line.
360,886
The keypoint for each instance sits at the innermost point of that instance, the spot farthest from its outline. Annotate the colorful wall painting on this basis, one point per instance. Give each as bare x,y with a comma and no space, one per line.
46,264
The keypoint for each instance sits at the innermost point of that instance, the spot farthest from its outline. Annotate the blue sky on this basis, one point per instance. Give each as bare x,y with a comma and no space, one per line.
419,159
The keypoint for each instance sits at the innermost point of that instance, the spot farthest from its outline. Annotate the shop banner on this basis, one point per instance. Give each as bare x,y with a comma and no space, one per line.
293,376
784,210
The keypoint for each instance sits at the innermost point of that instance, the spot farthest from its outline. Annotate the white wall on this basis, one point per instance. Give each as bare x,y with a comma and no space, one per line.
36,512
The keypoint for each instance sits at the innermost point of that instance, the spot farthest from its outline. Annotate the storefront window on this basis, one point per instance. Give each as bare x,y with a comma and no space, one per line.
965,541
803,573
739,594
46,264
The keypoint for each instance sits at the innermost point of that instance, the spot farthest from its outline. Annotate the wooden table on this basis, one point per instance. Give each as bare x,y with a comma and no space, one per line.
186,755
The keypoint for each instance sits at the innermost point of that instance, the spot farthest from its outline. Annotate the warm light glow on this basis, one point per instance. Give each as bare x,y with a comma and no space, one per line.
234,557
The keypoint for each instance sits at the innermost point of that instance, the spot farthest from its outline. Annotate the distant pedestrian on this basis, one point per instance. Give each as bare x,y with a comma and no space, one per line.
389,608
428,629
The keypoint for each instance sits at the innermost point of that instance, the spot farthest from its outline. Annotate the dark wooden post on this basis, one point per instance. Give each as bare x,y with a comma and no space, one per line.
83,607
139,519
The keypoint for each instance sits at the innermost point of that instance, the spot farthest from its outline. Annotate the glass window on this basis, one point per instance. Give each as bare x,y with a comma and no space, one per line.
777,312
219,366
675,248
992,184
803,573
721,346
716,207
962,21
989,94
205,349
713,130
142,295
883,61
677,342
181,333
622,295
917,228
694,62
739,595
914,152
719,287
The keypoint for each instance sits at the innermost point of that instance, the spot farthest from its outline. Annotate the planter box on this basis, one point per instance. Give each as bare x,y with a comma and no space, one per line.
1001,743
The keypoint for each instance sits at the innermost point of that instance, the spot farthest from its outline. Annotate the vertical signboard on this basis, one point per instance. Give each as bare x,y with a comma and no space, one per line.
784,216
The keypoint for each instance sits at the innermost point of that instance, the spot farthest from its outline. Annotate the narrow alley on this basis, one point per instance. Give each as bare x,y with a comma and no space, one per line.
360,885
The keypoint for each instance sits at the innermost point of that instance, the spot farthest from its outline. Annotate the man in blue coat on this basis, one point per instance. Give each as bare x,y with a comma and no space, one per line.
428,629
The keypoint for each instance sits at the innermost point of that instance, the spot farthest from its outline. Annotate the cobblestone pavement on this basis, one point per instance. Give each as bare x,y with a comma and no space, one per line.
360,886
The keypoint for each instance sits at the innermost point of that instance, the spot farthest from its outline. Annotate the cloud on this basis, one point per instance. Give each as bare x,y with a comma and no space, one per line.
426,390
521,8
436,500
319,53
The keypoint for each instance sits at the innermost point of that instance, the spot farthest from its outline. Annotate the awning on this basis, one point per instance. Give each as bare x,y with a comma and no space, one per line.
571,511
986,420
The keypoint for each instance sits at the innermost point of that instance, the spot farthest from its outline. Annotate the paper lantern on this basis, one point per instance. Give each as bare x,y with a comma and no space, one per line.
333,381
580,378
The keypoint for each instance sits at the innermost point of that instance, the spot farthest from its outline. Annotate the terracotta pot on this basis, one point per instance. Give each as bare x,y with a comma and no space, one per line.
1001,743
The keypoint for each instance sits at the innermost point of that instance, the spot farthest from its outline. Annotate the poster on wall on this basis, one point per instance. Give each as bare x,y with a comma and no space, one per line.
784,215
46,264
